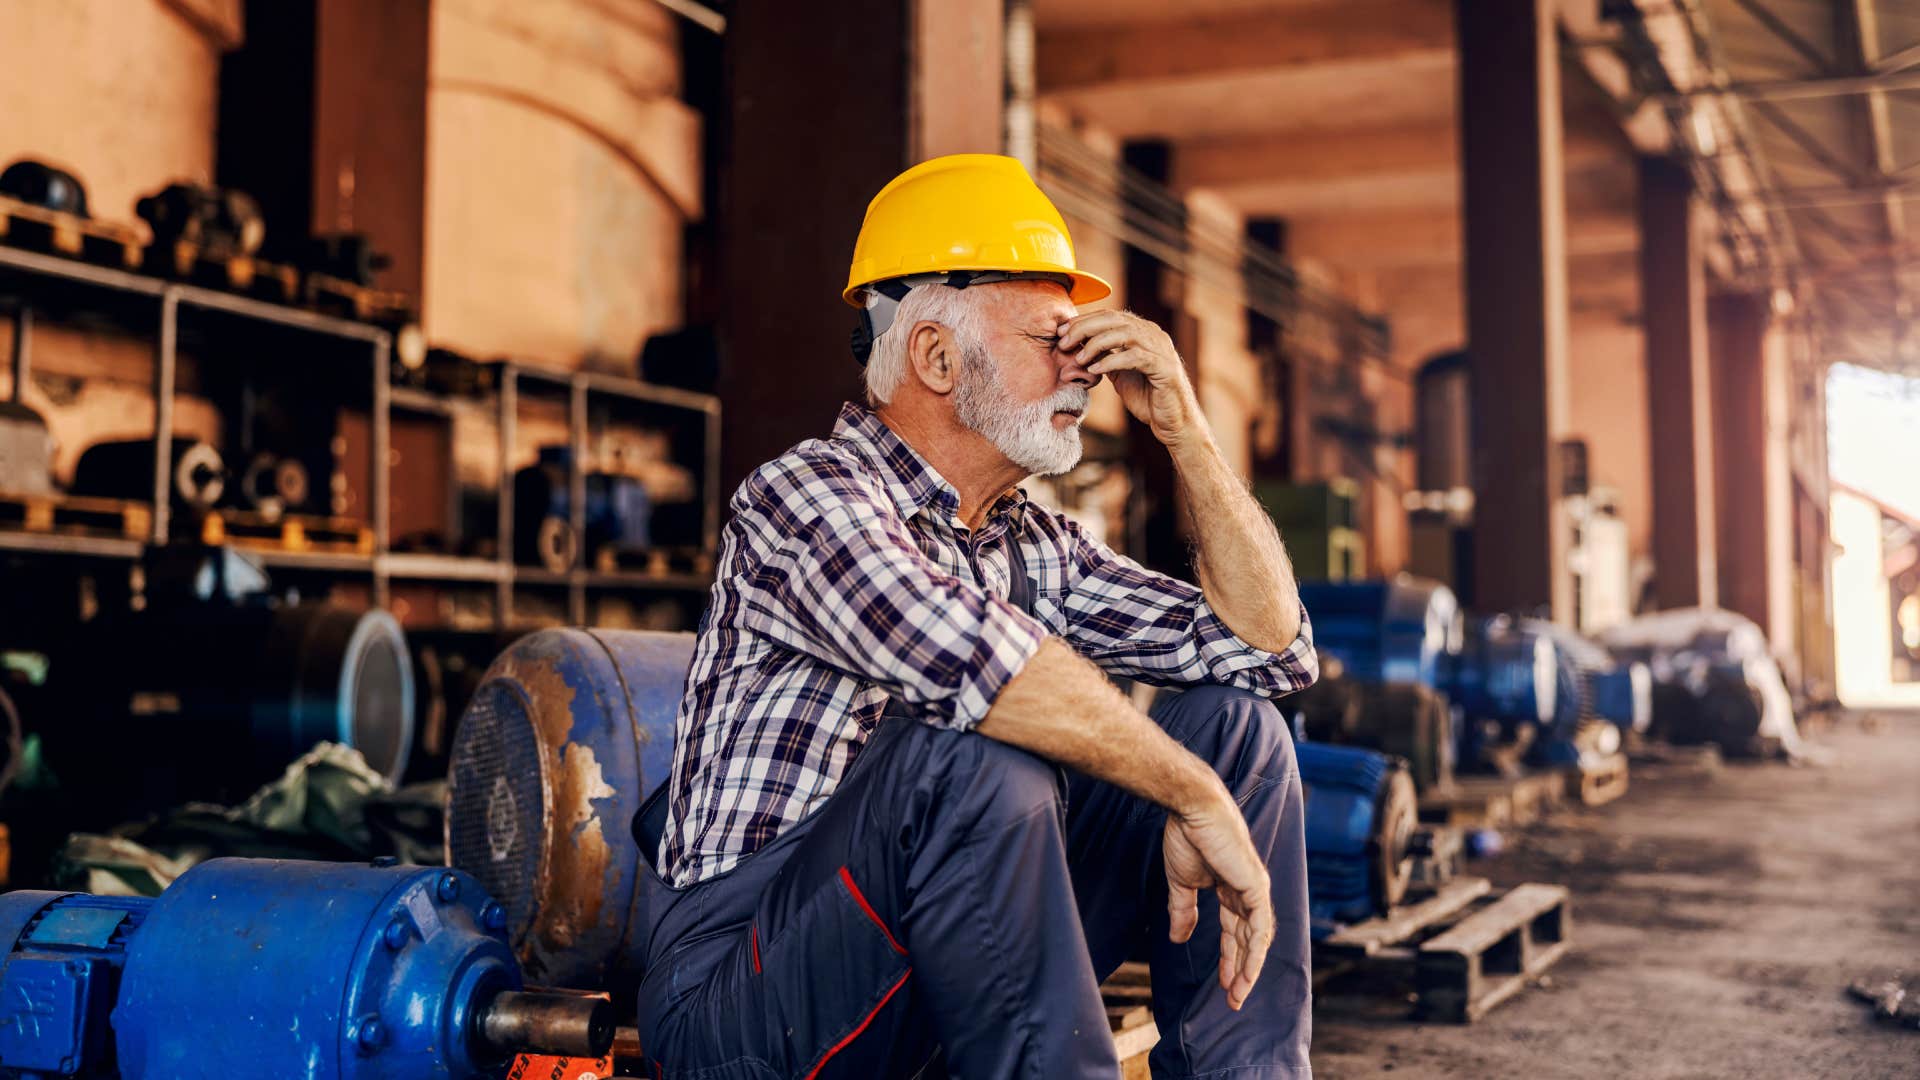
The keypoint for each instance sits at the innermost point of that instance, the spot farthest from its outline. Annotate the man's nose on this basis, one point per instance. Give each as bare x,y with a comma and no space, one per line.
1075,373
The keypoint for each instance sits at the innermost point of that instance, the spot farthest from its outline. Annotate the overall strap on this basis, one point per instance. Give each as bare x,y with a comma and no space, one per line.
1019,594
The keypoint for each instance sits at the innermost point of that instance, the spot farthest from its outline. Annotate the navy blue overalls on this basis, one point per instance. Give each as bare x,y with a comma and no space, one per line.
953,907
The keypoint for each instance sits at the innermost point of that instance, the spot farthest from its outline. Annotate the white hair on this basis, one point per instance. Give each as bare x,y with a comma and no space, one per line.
952,308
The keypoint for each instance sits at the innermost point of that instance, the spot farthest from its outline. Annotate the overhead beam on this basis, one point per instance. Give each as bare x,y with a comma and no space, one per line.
1804,89
1186,47
1350,155
1415,238
1380,171
1864,24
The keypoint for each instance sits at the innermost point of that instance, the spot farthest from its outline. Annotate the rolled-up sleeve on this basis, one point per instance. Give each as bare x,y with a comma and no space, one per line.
1144,625
842,582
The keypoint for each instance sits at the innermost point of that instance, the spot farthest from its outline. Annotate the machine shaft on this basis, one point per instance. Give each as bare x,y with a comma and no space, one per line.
548,1022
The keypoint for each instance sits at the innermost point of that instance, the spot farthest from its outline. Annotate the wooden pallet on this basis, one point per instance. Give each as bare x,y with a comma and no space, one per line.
609,559
75,514
1598,783
1469,949
37,228
184,260
338,296
1129,999
286,532
1491,954
1493,801
1365,940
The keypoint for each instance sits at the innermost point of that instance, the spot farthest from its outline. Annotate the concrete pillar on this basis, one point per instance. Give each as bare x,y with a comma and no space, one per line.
323,118
1514,201
1270,460
1679,401
1154,530
1751,476
881,84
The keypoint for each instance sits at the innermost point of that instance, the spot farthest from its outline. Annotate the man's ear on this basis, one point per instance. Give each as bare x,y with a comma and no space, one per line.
932,356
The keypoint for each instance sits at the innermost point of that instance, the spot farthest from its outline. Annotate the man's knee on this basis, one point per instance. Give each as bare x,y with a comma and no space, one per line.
1241,733
1010,784
981,785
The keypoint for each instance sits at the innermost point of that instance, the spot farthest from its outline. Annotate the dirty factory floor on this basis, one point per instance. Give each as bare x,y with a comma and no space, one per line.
1717,923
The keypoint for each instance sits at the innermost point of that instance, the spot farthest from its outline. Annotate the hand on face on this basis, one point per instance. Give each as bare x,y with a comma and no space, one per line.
1145,368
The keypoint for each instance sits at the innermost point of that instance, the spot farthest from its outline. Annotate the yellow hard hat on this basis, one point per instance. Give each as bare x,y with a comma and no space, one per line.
978,212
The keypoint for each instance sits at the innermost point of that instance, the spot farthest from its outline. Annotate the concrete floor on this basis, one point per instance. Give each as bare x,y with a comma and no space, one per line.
1717,924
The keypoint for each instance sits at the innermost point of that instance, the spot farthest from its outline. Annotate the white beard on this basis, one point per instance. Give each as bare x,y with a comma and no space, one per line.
1025,433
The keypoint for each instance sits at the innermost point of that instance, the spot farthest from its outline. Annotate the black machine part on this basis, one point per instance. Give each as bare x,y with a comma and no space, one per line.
1410,722
347,256
560,1022
124,470
272,484
224,221
43,185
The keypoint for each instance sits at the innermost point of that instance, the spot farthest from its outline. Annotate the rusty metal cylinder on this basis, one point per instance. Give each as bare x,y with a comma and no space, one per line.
533,1022
565,736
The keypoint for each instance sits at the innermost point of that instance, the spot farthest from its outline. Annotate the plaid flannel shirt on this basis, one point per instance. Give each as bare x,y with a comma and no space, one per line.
845,578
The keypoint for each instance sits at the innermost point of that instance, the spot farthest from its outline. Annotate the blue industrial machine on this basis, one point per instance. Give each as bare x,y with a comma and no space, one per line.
567,733
1514,685
1400,631
1497,679
259,967
1513,690
1614,698
1361,820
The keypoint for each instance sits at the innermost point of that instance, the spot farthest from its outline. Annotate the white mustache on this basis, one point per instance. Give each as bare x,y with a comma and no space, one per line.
1067,399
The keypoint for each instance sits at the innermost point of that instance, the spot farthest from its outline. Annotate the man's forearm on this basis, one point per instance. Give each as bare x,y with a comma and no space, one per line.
1060,707
1243,567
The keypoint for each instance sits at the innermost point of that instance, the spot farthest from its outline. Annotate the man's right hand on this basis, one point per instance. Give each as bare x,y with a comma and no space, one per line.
1062,708
1209,848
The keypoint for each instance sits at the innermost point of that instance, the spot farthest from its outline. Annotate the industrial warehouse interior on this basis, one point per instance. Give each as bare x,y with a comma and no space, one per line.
977,538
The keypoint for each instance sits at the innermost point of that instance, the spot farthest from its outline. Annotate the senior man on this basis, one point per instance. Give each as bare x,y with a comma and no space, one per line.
911,824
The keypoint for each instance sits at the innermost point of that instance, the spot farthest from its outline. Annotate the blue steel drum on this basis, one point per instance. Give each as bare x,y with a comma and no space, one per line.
1399,631
1361,815
568,732
270,968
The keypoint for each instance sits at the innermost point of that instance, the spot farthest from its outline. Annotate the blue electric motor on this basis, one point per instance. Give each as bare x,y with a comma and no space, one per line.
1400,631
567,733
262,967
1361,817
1611,692
1497,678
1510,684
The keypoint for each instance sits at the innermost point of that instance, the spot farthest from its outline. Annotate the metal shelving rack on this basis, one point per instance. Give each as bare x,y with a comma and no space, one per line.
33,280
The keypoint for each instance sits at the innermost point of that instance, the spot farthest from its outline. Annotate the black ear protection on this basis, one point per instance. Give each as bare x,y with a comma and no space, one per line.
883,299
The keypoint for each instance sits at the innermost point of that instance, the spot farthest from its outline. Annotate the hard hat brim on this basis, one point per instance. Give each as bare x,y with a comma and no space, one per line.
1087,288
